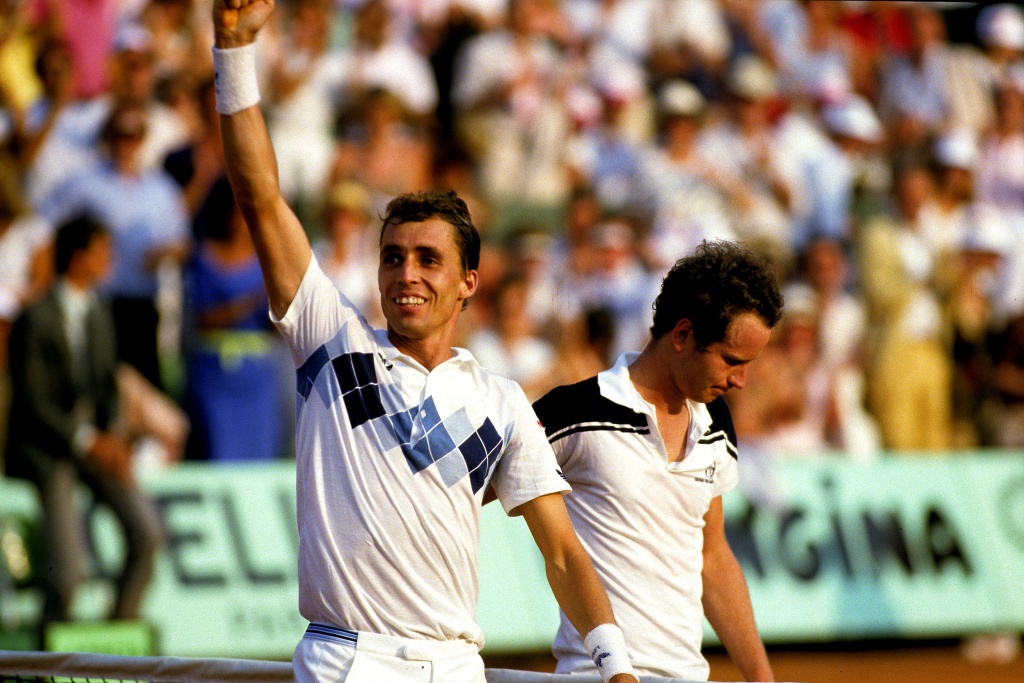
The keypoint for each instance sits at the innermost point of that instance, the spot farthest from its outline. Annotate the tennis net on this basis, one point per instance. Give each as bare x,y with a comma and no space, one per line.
78,667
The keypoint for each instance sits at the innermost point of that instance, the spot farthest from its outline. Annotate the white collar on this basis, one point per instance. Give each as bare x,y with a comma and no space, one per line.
392,353
616,385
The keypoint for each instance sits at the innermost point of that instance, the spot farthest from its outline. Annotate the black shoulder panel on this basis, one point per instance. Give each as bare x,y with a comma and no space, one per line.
721,425
580,407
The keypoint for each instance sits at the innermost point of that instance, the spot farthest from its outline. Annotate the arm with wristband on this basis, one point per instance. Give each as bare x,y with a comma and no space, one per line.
577,587
281,243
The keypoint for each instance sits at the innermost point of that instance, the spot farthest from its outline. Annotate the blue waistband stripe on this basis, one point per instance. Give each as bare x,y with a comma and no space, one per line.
342,635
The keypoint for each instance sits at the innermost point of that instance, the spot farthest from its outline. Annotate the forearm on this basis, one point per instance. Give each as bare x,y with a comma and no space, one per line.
727,606
577,587
280,242
579,592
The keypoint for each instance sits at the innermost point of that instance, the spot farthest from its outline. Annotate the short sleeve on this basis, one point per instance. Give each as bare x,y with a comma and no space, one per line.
317,315
527,468
727,473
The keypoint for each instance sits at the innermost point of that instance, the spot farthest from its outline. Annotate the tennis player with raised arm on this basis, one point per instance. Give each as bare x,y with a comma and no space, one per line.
398,434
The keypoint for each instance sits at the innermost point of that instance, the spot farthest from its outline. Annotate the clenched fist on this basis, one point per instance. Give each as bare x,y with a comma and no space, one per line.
236,22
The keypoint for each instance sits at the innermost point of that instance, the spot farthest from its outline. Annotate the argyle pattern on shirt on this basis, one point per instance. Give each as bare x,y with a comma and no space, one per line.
453,443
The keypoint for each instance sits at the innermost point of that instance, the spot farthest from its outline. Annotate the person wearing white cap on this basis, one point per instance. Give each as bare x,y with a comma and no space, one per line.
1001,30
831,175
687,195
944,219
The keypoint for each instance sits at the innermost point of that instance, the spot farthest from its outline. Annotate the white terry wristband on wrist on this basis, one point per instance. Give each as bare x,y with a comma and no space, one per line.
607,647
234,72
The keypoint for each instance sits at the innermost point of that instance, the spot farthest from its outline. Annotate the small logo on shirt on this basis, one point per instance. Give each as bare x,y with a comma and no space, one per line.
387,364
709,475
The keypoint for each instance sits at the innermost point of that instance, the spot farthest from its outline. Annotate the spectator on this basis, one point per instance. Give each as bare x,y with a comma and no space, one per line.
199,166
379,60
134,83
746,146
910,371
619,282
508,114
605,154
513,348
58,136
687,195
234,393
64,424
26,269
87,28
305,84
348,253
382,151
1000,170
914,101
145,214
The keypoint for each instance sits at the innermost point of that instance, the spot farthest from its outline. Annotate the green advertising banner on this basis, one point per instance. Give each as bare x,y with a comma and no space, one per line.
905,547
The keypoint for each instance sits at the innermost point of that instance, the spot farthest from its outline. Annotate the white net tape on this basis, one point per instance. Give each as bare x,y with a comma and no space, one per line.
77,666
29,666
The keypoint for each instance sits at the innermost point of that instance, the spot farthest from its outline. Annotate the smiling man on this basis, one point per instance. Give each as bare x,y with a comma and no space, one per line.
398,434
649,448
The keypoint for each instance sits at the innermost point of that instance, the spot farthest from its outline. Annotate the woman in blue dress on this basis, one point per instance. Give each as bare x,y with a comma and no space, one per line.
235,389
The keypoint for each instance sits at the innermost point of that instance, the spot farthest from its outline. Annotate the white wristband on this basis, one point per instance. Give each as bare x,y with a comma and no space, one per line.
234,73
607,647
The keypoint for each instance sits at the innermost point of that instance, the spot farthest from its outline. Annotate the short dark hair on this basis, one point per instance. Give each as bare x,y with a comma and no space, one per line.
72,237
719,281
415,207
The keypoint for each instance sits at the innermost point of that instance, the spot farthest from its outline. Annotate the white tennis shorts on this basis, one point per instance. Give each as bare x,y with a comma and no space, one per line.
331,654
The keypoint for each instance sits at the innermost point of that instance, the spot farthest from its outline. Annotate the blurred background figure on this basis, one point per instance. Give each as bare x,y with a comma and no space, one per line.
619,283
235,359
508,114
382,150
305,82
910,374
145,214
687,195
66,424
26,269
513,348
348,251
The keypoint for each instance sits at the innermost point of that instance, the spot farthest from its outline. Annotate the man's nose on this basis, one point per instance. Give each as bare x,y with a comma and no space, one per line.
738,377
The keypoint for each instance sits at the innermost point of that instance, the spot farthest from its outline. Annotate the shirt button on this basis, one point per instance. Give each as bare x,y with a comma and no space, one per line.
423,413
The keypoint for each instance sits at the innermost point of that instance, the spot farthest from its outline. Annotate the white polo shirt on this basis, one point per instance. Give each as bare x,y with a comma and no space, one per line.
392,464
639,516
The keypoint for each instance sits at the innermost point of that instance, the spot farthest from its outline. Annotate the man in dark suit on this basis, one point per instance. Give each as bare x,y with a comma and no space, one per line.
64,426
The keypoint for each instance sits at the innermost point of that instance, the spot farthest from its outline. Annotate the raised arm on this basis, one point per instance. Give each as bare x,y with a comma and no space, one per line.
280,241
574,582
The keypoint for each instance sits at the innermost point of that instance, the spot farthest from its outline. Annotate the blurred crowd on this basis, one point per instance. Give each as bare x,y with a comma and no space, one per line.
873,151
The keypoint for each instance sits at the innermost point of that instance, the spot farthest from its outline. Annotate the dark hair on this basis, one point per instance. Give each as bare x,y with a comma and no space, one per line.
74,236
416,207
711,287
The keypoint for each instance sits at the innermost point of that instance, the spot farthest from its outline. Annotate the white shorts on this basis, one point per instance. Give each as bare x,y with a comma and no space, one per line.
332,654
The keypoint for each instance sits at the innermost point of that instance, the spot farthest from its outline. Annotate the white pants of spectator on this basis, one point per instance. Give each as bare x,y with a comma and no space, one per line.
327,653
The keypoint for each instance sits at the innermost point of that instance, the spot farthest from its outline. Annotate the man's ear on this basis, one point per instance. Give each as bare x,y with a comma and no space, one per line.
469,284
681,333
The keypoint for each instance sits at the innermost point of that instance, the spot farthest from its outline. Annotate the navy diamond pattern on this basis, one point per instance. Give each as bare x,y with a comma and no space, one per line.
360,392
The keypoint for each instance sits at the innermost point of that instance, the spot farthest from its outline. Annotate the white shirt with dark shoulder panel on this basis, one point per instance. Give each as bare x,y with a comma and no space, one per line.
392,465
639,516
